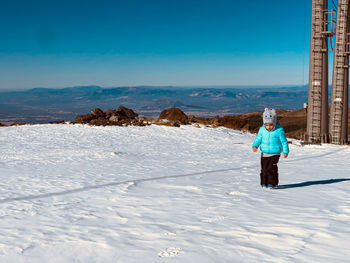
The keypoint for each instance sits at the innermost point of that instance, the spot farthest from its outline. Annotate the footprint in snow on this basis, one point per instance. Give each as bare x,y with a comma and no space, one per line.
170,252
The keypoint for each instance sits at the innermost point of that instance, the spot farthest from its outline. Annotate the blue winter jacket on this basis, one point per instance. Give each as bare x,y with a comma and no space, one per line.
274,141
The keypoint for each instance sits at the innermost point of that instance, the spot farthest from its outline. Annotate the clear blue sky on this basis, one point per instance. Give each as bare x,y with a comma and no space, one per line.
153,42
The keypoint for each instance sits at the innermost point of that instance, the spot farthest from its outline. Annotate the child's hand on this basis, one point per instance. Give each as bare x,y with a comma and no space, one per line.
285,155
254,149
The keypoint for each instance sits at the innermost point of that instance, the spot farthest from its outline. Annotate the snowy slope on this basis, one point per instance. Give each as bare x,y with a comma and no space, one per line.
73,193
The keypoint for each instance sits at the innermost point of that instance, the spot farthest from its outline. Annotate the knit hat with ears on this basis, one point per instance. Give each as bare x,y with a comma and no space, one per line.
270,116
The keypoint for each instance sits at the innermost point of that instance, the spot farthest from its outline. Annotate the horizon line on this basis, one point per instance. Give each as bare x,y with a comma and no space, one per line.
156,86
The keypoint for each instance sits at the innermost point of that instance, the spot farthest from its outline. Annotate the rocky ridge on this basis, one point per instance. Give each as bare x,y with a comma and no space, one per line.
293,122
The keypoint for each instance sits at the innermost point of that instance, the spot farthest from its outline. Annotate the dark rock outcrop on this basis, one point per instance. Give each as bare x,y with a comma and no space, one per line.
98,113
120,117
232,122
125,113
200,120
254,122
174,115
110,113
103,122
84,118
114,118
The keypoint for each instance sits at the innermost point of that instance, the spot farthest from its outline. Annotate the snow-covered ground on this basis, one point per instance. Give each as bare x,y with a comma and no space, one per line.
74,193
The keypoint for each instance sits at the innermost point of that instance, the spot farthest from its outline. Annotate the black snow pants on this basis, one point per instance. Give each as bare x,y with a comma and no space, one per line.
269,170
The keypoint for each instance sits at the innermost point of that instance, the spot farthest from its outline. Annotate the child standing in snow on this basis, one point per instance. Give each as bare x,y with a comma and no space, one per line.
272,142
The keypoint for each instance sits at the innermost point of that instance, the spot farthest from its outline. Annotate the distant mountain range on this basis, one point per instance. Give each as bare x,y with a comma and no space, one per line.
43,104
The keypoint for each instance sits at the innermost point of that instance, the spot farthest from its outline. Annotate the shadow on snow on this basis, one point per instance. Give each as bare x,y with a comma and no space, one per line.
134,182
309,183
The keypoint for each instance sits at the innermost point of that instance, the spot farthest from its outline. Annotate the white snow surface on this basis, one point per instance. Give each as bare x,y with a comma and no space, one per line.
75,193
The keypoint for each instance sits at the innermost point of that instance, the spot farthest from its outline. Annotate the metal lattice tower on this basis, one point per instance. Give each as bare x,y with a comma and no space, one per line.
339,99
322,28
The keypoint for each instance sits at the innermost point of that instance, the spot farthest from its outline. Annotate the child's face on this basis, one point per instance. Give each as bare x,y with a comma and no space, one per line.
269,126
